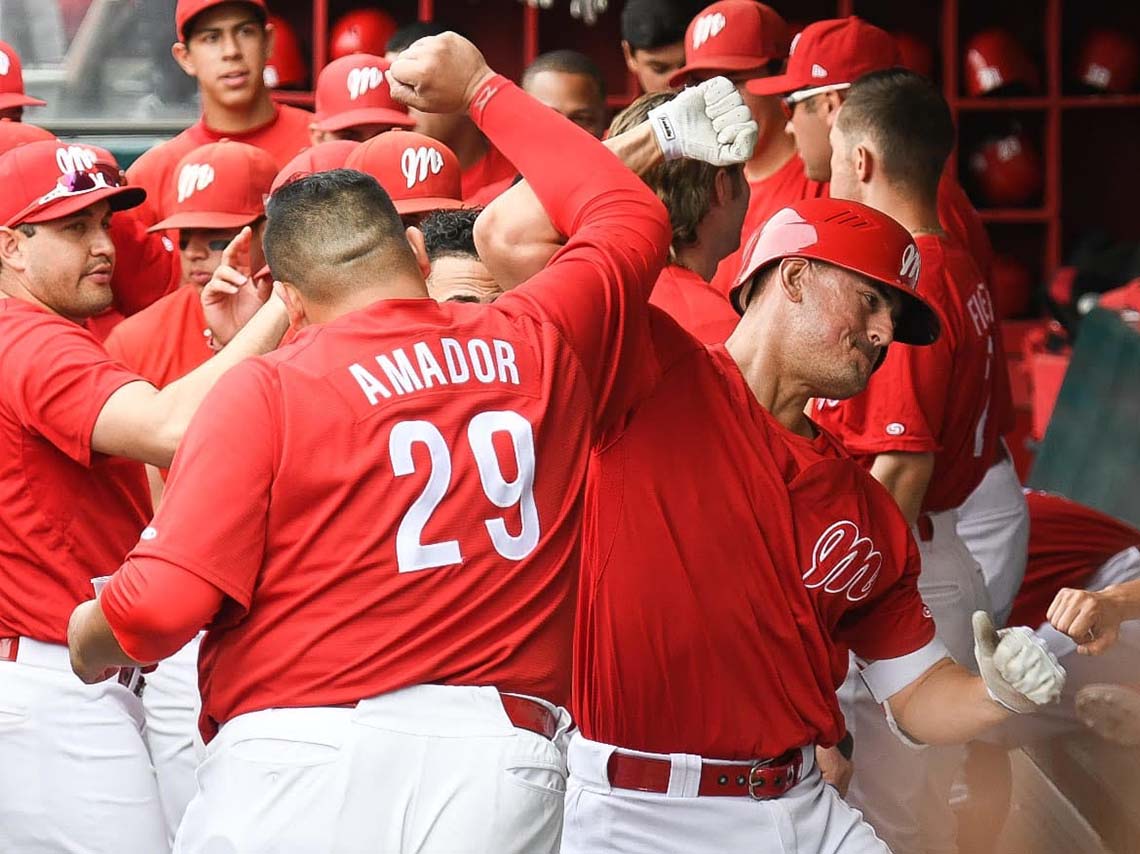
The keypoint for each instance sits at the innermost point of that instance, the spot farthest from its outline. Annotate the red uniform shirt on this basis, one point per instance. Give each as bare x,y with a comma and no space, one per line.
163,342
695,304
786,184
937,398
1068,542
717,582
492,170
285,135
411,474
67,514
960,218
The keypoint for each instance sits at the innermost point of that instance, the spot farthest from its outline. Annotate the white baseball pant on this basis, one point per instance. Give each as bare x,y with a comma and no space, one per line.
172,703
810,818
433,769
903,790
993,522
75,774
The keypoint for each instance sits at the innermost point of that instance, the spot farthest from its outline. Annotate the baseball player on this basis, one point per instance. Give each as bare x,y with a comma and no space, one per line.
13,97
744,40
76,773
353,100
653,40
570,83
744,598
924,427
826,58
457,274
402,598
224,45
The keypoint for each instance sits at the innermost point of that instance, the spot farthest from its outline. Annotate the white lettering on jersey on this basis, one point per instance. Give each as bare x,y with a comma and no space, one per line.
448,362
706,27
844,562
822,403
192,178
363,80
911,265
981,309
415,163
74,158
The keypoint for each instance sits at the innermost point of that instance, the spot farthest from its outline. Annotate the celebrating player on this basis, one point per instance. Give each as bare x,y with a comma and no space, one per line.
457,274
394,588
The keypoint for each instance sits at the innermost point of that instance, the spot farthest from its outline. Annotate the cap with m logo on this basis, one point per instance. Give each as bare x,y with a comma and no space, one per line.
420,173
732,36
220,185
12,81
353,91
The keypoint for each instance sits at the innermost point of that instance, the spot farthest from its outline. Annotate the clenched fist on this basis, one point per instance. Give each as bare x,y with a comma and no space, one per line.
438,74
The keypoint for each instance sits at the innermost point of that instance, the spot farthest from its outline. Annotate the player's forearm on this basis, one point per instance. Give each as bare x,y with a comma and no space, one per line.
906,477
91,642
946,705
1125,598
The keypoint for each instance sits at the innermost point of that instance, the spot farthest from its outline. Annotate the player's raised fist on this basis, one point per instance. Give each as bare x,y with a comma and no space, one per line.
438,74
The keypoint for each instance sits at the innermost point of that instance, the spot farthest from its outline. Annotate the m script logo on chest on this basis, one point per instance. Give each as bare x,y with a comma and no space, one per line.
844,562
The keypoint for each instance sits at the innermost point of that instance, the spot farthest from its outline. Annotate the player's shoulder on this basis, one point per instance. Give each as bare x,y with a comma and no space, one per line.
163,156
294,118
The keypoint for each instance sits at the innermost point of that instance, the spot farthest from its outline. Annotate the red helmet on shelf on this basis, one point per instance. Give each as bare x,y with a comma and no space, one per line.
1007,170
361,31
286,66
994,60
916,53
1011,284
1108,61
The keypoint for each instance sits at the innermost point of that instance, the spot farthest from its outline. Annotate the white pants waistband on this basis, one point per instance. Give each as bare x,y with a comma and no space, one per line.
34,653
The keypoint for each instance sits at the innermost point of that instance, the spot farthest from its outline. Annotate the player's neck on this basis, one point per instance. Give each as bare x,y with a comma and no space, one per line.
770,156
754,347
221,118
918,216
698,259
469,144
398,287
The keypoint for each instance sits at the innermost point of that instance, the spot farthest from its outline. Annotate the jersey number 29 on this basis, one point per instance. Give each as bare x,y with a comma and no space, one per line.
412,553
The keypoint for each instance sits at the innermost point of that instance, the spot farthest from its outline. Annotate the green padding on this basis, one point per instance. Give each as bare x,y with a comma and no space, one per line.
1091,452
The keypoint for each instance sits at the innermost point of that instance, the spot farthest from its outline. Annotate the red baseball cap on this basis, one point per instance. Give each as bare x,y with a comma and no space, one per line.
831,53
732,35
12,81
353,91
419,173
319,158
220,185
187,9
13,134
994,59
361,31
852,236
49,179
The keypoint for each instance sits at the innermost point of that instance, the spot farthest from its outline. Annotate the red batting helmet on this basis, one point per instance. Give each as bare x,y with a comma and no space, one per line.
286,66
361,31
1011,284
916,54
1007,170
1108,61
854,237
994,60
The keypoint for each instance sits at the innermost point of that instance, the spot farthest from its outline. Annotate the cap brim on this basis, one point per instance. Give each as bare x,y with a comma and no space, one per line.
720,63
367,116
121,199
781,84
8,100
427,203
205,219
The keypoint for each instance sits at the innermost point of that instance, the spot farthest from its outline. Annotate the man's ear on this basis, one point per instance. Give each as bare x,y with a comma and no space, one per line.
270,41
181,54
829,106
864,163
12,253
293,305
792,275
627,52
723,187
419,249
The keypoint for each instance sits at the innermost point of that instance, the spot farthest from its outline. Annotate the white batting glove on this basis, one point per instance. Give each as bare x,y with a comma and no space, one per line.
708,122
1019,671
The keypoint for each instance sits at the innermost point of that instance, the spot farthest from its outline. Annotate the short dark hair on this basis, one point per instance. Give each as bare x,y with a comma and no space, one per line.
409,34
909,121
649,24
567,62
449,233
189,26
332,231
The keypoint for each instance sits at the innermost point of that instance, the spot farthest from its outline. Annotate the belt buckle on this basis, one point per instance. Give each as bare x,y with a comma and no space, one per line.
132,679
755,781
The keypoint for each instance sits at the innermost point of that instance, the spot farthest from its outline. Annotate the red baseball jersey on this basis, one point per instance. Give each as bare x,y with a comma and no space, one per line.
163,342
938,398
146,265
411,474
724,574
960,218
695,304
1068,542
492,170
786,184
67,513
283,137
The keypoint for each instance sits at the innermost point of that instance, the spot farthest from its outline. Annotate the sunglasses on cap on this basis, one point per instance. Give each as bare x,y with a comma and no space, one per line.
788,102
98,177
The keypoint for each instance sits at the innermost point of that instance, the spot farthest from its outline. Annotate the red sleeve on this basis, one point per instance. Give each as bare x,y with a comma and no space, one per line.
595,290
155,612
146,266
57,378
212,520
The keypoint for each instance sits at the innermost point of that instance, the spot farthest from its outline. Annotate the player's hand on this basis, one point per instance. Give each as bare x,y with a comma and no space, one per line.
231,297
86,672
438,74
1091,618
835,768
1019,672
708,122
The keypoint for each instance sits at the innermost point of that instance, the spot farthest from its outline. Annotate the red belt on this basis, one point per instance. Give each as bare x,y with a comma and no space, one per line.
129,677
761,780
522,712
